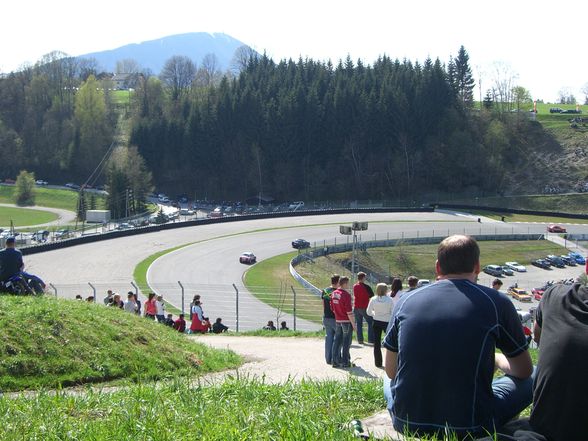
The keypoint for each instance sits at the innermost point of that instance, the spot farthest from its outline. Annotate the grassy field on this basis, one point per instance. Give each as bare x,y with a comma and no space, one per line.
48,343
237,409
567,203
49,197
21,216
510,217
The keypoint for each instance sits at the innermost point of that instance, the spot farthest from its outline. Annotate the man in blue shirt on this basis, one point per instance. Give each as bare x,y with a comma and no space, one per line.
441,352
10,260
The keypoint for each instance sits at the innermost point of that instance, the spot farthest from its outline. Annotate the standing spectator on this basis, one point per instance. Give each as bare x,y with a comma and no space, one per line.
270,326
130,304
283,327
199,322
180,324
497,284
362,293
441,352
150,307
194,300
108,298
345,324
116,302
561,391
218,326
396,287
138,302
169,321
159,309
412,283
380,308
329,318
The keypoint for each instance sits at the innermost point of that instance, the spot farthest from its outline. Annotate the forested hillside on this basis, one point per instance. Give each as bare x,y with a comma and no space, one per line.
310,130
290,130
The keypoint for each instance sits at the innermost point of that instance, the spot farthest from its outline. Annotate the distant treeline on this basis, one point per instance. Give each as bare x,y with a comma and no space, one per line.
314,131
290,130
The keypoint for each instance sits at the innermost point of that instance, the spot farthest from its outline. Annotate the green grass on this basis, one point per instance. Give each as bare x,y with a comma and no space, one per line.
238,409
50,343
276,334
22,216
49,197
511,217
566,203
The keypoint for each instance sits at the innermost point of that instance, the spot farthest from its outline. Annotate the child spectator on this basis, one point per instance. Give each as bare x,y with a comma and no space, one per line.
169,321
218,327
180,324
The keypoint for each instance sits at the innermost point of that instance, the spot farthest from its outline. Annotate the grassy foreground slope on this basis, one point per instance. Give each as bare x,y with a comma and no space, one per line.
48,342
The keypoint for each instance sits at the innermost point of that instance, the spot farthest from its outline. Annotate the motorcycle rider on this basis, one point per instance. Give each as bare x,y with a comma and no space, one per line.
11,264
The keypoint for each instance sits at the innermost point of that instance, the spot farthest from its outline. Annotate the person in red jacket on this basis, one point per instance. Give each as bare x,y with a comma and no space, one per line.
180,324
362,293
345,324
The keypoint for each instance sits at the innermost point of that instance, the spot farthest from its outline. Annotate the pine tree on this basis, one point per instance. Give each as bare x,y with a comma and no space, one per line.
464,80
488,102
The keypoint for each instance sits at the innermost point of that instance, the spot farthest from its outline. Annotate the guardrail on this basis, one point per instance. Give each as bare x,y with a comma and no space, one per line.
513,210
190,223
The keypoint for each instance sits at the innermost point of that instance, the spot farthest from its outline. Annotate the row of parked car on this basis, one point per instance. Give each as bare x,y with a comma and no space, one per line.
509,268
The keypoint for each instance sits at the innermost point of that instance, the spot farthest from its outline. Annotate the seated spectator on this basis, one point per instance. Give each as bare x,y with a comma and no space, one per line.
270,326
117,302
108,298
90,299
79,297
199,322
130,304
159,309
180,324
169,321
218,326
283,327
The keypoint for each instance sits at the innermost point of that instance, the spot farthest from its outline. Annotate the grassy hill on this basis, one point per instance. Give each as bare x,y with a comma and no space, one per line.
49,343
49,197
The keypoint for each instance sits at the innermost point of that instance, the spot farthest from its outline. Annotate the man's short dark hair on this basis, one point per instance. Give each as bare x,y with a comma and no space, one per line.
361,275
412,281
497,282
458,254
335,279
343,280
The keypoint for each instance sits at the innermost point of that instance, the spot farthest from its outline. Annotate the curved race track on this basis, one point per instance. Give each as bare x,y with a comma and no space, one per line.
211,266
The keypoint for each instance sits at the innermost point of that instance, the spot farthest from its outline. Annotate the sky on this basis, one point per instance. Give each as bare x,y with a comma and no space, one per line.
542,43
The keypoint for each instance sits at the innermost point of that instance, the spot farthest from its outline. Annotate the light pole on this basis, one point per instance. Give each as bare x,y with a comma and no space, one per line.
348,230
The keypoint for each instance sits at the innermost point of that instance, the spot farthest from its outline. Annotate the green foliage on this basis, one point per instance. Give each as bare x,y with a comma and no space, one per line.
25,188
237,409
48,342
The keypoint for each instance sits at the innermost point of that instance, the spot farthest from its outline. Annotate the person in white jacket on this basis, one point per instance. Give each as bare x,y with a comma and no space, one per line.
380,308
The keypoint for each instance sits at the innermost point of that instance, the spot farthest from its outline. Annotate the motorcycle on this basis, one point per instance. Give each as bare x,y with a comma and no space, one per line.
23,284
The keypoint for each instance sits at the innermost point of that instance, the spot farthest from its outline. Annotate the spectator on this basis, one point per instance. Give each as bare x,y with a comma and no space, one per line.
116,302
130,304
561,392
199,322
283,327
218,326
362,293
329,318
345,324
396,287
150,307
456,324
11,262
90,299
194,300
180,324
108,298
497,284
159,309
79,297
138,302
412,283
380,308
169,321
270,326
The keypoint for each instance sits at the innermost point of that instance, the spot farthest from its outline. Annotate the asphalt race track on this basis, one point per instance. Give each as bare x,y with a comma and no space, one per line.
210,266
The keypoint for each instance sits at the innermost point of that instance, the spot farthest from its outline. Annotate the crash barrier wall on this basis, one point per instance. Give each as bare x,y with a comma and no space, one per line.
512,210
363,245
90,238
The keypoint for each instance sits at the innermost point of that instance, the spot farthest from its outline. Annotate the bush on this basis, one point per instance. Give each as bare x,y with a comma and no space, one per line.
25,188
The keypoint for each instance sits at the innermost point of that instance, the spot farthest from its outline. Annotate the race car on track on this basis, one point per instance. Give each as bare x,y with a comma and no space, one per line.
248,258
554,228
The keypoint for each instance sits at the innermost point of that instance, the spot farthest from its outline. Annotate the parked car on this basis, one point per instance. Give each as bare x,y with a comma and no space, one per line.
506,270
555,110
62,234
519,294
9,181
163,199
580,260
569,261
186,212
41,182
554,228
541,263
493,270
300,244
555,261
515,266
423,282
40,236
248,257
72,186
124,226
